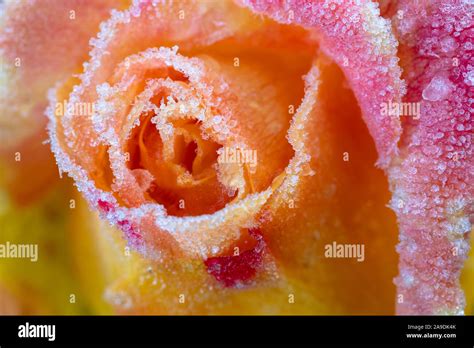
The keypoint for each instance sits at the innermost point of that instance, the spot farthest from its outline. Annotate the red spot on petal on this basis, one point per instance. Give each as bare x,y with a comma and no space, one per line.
105,206
132,235
238,269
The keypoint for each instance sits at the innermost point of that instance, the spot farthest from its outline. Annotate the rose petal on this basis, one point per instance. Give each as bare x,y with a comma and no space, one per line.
343,203
41,42
432,181
354,35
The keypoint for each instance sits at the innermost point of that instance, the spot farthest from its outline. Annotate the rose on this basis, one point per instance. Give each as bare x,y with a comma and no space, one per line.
152,106
155,106
189,81
180,105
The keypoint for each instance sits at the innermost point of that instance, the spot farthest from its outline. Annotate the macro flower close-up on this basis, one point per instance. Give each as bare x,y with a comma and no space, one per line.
247,157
